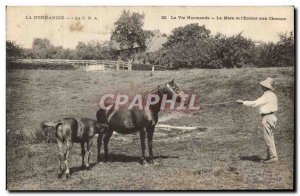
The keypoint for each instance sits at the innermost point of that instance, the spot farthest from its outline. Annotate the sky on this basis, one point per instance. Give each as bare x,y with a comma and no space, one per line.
68,32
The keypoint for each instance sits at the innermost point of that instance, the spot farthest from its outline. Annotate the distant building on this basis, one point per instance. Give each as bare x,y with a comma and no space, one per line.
155,42
152,44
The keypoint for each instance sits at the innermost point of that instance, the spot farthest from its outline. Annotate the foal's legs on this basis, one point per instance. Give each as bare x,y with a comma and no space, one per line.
82,154
60,157
106,139
99,142
89,147
67,152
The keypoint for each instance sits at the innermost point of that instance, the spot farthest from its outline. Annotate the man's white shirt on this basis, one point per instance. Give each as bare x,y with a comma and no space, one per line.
267,103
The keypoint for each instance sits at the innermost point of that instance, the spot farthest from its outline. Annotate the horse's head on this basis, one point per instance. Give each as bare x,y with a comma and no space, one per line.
171,89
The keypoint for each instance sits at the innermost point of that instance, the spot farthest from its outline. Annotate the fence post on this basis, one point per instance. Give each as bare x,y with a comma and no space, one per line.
152,71
129,66
117,65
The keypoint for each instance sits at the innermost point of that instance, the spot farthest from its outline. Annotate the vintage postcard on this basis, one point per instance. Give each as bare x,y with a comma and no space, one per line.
150,98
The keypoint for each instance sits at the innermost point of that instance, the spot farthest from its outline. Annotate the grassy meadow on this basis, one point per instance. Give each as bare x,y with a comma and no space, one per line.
224,156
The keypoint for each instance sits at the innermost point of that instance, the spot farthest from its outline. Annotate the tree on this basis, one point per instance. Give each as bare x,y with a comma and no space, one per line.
13,49
280,54
186,47
129,30
94,50
230,52
286,49
188,34
69,54
267,55
57,52
41,48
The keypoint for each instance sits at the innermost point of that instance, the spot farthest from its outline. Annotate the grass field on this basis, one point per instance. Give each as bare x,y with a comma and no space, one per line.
225,156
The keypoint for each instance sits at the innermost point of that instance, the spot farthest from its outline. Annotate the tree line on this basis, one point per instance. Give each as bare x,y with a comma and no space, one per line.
43,49
193,46
190,46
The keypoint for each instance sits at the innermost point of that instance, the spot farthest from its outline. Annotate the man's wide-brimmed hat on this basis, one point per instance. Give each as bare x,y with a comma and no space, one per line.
268,83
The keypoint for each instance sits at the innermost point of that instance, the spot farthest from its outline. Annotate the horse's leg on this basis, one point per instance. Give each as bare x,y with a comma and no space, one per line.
150,138
89,147
67,153
99,142
142,137
82,154
106,141
60,157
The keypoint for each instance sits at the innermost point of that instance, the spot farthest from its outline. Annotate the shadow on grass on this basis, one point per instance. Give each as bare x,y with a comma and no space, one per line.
126,158
253,158
79,168
121,158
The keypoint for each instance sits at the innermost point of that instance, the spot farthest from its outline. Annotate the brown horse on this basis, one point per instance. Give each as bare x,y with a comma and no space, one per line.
126,121
69,131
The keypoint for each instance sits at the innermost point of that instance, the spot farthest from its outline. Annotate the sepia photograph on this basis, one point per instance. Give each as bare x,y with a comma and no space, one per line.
150,98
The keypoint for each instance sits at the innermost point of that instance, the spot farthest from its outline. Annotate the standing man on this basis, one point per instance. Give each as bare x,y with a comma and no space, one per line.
267,104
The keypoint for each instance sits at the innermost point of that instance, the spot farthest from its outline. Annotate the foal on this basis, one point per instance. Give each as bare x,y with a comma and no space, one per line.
69,131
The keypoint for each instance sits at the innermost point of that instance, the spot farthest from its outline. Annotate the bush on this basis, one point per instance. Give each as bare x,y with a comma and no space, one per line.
229,52
47,66
140,66
186,55
14,50
191,46
280,54
215,64
154,57
186,47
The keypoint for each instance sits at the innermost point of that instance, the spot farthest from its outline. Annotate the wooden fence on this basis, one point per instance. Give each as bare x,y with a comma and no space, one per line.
88,65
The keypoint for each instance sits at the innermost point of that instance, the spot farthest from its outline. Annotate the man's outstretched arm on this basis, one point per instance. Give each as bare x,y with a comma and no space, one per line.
258,102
